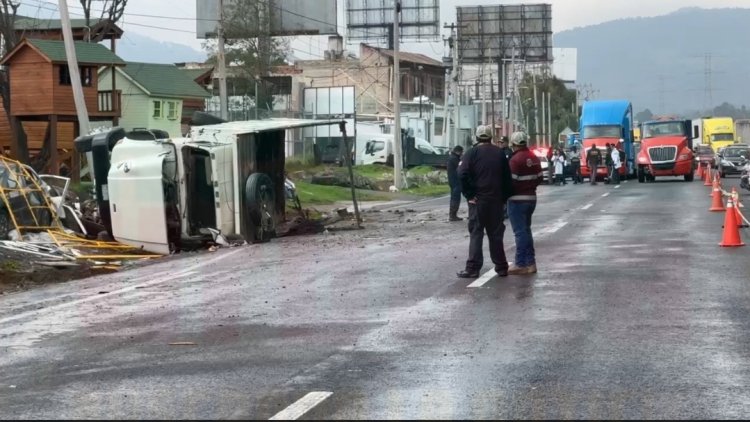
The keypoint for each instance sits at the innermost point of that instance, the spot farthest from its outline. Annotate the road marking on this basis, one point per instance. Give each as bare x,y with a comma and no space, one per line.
168,277
587,206
557,225
302,406
617,187
605,195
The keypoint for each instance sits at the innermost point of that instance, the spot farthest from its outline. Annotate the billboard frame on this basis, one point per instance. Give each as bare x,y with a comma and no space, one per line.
498,32
374,20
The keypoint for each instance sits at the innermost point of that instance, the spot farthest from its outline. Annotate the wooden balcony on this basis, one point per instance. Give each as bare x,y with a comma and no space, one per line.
109,103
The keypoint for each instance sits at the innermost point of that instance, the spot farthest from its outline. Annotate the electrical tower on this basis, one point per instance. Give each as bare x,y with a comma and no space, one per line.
708,95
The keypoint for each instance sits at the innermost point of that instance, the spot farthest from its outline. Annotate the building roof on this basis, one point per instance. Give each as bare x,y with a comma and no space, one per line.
33,24
54,51
165,80
195,73
410,57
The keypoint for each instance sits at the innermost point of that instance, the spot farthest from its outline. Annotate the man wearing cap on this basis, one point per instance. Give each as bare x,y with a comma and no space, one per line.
455,184
527,174
486,184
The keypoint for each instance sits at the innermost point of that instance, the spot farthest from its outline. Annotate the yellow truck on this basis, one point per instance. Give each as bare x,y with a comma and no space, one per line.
718,132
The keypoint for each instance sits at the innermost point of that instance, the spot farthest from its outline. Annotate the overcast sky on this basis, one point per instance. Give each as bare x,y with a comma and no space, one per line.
177,24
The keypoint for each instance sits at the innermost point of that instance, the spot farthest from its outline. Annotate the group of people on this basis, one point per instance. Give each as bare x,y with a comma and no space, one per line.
613,159
495,180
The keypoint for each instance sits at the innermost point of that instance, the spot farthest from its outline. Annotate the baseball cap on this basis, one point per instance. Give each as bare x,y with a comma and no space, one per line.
519,138
484,132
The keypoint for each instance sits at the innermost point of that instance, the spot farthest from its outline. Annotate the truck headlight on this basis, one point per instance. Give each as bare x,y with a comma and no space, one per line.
642,160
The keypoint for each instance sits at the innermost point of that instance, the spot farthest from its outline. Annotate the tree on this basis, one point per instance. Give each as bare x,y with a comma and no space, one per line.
644,116
251,51
563,103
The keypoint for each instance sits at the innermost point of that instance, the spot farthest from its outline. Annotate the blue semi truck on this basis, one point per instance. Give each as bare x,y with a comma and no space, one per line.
608,122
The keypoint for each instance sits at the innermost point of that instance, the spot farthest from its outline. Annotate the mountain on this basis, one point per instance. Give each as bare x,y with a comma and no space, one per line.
660,63
139,48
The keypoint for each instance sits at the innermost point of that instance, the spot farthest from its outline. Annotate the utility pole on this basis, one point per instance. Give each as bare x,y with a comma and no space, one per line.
397,151
544,119
549,116
492,98
75,82
536,111
222,69
453,44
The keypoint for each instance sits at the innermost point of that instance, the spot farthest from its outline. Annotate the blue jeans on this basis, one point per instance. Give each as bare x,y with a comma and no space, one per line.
520,214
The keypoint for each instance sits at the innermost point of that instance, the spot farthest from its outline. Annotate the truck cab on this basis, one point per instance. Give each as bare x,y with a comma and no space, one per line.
718,132
607,122
666,150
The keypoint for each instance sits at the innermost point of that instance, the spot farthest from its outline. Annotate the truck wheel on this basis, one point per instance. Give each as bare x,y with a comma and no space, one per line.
260,201
689,177
641,176
6,225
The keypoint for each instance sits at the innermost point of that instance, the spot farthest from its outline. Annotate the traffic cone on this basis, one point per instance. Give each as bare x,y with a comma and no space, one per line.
716,184
700,171
731,237
717,204
736,202
708,177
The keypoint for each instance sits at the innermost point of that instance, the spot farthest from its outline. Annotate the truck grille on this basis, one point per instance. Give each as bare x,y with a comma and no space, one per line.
662,154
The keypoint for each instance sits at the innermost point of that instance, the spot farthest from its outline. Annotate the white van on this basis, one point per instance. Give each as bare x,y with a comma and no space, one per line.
379,149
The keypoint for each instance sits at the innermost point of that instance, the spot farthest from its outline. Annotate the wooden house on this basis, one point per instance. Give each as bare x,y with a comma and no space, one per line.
41,91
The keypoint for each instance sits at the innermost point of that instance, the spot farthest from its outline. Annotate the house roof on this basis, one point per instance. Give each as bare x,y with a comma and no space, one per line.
54,51
410,57
197,72
164,80
33,24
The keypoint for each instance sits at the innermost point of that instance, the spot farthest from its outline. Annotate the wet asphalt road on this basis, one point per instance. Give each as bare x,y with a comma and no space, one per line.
635,313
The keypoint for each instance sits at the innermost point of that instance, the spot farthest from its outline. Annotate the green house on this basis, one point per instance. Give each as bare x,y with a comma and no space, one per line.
153,95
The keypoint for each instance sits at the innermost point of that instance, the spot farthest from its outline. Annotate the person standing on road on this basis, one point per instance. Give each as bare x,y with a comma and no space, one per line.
527,174
486,185
503,144
593,158
559,162
575,163
455,184
608,162
616,164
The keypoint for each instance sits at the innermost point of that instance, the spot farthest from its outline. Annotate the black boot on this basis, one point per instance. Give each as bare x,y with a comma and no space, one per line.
453,214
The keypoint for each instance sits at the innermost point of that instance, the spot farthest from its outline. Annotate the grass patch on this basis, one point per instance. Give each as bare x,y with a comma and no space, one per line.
10,266
310,194
422,170
374,171
429,190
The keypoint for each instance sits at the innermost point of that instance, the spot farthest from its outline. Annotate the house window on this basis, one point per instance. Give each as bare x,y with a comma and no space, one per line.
171,110
158,112
86,75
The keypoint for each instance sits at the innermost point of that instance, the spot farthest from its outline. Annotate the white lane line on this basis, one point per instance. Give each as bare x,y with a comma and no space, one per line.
169,277
617,187
302,406
554,227
587,206
481,281
605,195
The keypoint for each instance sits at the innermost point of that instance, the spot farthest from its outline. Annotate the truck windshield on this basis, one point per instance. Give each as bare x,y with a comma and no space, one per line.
661,129
722,137
612,131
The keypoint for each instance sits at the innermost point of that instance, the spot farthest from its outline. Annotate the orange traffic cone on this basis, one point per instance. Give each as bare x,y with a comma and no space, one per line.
700,171
708,177
716,184
731,237
736,202
717,204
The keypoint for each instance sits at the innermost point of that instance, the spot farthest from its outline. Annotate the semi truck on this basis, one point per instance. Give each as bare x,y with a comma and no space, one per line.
607,122
666,150
717,132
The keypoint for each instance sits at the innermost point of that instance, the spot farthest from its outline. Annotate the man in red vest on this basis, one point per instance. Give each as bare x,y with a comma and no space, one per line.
526,174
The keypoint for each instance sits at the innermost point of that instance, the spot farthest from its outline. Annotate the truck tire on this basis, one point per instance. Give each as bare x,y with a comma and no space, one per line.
641,175
689,177
6,225
260,201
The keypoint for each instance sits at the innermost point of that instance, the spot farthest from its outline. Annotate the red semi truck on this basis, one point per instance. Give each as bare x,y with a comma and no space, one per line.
666,150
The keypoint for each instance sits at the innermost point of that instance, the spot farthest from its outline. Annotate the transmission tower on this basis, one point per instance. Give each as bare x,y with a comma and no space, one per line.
708,95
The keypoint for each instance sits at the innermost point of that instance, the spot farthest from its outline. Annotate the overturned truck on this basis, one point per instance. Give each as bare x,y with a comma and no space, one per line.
160,193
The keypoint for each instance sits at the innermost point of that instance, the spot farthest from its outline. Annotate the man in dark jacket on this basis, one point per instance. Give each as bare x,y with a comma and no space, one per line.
593,159
486,184
609,162
527,174
455,184
503,144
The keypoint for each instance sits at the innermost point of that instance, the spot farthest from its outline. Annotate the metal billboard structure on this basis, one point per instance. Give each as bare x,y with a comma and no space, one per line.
373,19
289,17
523,32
